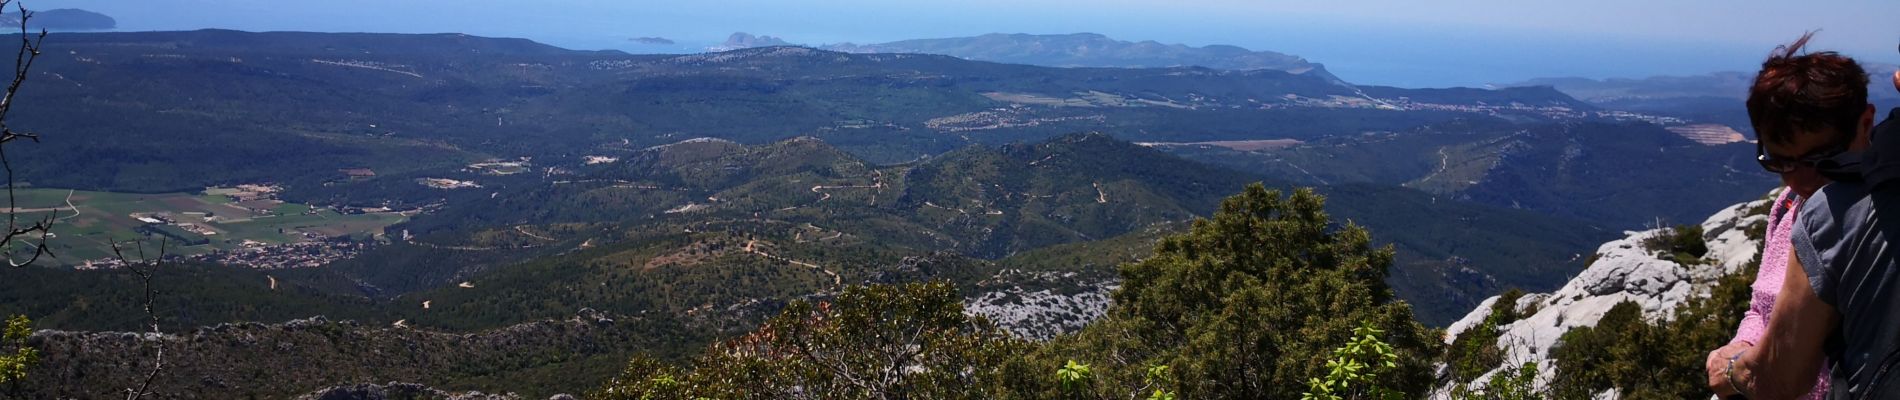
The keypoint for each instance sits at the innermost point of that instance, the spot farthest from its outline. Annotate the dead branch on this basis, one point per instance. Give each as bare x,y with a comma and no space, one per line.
29,51
150,267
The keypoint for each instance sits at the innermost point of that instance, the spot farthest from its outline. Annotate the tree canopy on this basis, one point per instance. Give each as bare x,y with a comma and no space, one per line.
1251,303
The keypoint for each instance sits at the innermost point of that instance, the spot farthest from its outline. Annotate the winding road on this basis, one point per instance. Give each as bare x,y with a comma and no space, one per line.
751,246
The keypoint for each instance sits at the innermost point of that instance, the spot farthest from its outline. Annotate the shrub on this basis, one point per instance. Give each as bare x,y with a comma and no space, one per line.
15,356
1353,372
1681,243
1476,351
883,341
1649,359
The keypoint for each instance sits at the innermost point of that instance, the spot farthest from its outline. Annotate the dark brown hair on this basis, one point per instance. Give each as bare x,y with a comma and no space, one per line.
1798,93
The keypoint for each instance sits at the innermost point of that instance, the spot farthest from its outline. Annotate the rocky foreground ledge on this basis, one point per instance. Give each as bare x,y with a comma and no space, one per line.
1624,270
407,391
303,357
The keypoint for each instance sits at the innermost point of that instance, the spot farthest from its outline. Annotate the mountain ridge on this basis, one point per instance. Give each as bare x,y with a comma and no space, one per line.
61,19
354,100
1719,84
1093,50
1715,97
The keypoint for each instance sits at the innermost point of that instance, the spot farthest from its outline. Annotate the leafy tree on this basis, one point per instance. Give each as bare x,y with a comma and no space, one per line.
15,356
1160,379
1353,372
1074,377
1250,303
871,342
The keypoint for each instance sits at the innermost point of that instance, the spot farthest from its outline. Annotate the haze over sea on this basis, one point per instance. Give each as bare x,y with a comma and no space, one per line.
1384,42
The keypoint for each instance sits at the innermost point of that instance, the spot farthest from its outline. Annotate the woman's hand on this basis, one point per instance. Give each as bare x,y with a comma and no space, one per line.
1718,367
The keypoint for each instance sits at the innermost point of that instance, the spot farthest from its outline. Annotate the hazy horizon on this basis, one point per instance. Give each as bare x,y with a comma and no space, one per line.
1458,43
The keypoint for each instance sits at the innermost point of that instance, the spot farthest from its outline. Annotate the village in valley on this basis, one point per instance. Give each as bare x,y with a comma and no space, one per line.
243,225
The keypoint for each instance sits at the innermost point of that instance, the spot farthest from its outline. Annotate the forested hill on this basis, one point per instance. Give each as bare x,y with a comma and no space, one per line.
642,229
61,20
121,103
1328,281
1614,175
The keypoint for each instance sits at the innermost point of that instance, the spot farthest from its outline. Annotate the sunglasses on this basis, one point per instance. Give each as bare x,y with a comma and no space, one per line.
1821,159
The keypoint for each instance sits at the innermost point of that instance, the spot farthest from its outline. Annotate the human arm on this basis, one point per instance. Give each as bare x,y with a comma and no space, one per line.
1776,248
1789,355
1716,365
1753,324
1746,335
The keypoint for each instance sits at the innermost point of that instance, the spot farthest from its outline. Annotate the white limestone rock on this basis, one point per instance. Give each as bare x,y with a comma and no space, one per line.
1041,305
1623,271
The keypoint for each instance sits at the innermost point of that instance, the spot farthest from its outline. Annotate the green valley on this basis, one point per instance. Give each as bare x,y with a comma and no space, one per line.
88,223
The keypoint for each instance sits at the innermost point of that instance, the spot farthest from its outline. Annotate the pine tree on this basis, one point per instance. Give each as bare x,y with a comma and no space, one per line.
1251,303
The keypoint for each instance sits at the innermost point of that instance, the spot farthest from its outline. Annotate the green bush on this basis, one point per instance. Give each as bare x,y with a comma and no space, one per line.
1074,378
1353,372
15,356
1681,243
1651,359
1518,383
1475,351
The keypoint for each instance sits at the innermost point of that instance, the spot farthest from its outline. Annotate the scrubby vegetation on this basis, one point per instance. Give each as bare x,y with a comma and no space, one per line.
1264,299
15,355
871,342
1476,350
1249,303
1681,243
1641,358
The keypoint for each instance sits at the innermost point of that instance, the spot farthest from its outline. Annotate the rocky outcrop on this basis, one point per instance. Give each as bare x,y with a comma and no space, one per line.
1624,270
742,40
1041,305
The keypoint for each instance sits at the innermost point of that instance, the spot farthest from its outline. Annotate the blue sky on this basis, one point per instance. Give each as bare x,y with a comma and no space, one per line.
1403,43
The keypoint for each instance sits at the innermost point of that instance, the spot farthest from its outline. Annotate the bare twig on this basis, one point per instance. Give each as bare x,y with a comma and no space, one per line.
28,52
151,266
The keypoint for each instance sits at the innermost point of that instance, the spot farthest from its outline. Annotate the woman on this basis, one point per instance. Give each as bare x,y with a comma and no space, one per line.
1801,183
1802,180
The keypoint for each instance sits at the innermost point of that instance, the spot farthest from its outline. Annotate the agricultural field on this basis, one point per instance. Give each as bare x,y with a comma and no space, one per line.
86,223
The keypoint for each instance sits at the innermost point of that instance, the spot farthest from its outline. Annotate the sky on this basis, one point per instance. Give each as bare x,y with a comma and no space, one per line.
1408,43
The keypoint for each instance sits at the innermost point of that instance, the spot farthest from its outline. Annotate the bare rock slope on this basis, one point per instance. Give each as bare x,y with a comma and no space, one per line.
1624,270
